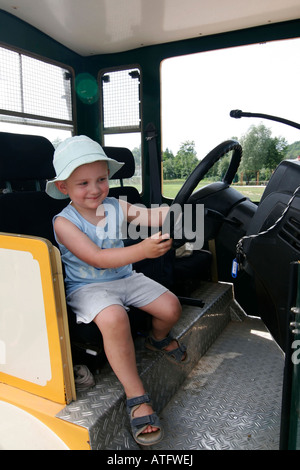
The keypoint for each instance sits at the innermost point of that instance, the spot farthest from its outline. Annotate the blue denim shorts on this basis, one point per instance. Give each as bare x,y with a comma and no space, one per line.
136,290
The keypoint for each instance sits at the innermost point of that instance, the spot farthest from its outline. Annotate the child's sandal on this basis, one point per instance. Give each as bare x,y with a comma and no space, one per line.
177,355
138,425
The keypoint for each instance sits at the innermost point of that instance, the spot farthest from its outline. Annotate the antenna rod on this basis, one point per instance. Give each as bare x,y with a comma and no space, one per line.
237,113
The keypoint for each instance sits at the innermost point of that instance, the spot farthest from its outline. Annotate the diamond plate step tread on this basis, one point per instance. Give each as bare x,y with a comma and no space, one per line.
232,398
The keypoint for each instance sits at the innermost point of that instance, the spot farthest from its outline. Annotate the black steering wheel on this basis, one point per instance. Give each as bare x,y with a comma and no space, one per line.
175,217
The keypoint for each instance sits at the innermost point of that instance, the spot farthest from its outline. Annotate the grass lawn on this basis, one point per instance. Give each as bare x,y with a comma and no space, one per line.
252,192
171,188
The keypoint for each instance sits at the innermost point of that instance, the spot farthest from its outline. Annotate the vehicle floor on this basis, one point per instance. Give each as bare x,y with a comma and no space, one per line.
228,396
232,398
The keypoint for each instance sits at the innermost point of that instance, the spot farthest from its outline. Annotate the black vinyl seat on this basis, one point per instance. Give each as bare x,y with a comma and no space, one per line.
25,165
122,154
25,162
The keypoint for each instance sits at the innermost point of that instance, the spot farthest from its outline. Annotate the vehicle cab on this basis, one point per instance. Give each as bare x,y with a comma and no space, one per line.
234,265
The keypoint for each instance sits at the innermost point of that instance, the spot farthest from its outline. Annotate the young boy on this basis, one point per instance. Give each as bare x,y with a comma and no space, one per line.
100,282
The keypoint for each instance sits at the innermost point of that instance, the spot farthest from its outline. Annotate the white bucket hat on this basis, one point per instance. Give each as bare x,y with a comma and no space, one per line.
72,153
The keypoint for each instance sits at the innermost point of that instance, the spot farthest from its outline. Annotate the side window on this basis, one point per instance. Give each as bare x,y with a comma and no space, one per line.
35,96
121,113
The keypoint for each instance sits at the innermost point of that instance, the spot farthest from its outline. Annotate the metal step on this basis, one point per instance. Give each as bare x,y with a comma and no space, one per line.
102,408
232,398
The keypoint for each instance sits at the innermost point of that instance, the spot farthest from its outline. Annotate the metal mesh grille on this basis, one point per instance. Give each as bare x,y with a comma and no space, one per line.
32,87
10,98
121,100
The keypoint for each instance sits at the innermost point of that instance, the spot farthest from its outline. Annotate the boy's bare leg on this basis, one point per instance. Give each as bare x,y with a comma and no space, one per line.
165,311
114,325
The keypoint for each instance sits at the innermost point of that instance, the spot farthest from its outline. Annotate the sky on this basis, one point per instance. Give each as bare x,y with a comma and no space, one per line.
200,90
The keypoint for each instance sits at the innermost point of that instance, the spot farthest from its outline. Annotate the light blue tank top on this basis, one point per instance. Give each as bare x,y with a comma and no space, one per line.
79,273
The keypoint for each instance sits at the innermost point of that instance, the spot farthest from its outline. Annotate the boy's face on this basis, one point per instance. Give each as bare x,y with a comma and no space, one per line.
87,186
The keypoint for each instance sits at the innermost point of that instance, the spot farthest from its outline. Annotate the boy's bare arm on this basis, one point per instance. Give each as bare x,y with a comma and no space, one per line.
83,248
153,217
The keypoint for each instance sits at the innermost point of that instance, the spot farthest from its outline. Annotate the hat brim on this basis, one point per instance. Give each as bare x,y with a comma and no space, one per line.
54,192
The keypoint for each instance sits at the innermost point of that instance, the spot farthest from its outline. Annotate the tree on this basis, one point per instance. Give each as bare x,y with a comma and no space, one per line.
167,154
182,164
186,159
168,165
260,151
169,170
293,150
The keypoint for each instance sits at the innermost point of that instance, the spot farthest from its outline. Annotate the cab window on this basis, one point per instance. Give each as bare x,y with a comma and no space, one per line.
121,114
35,96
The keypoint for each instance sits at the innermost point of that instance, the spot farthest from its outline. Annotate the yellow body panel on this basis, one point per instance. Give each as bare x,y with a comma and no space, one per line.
34,336
51,312
31,310
74,437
